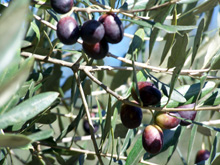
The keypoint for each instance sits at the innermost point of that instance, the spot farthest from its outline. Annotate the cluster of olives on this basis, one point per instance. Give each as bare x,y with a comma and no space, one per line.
95,34
131,116
152,137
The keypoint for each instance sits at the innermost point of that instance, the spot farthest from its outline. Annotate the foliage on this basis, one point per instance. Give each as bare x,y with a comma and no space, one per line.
47,88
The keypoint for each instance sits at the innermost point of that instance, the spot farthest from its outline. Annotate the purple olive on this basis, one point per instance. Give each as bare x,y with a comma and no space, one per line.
149,94
92,32
166,121
62,6
68,30
114,30
86,125
152,139
96,51
202,155
131,116
190,115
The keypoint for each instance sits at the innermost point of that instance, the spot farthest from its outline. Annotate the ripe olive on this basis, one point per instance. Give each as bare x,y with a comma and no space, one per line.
166,121
96,51
92,32
187,114
152,139
68,30
62,6
131,116
202,155
149,94
114,30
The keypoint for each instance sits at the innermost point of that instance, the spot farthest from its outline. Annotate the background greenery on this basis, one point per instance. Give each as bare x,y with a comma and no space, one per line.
176,45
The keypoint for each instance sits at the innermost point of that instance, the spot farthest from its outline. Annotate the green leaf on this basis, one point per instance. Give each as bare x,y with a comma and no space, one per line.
186,1
214,99
211,50
28,109
216,159
161,16
127,140
36,30
13,141
41,135
173,28
214,148
167,47
118,147
175,95
175,142
166,28
120,78
136,43
12,31
73,125
147,24
107,122
136,153
215,61
178,53
133,4
190,92
169,38
9,88
47,118
208,5
198,39
192,137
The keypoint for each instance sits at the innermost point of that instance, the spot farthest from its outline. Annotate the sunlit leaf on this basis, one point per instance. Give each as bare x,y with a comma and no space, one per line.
27,109
12,31
136,153
9,88
13,141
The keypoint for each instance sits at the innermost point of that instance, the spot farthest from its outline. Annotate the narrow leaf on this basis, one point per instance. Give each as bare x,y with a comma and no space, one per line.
9,88
178,54
13,141
164,12
197,39
41,135
12,31
28,109
190,92
136,153
136,43
192,137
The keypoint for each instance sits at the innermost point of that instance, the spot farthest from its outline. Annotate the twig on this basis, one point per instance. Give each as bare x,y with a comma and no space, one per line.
91,127
45,22
106,88
198,72
78,138
108,9
88,152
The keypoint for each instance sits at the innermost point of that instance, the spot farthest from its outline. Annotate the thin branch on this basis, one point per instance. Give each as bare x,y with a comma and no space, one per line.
45,22
198,72
78,138
88,152
91,127
108,8
106,88
138,64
